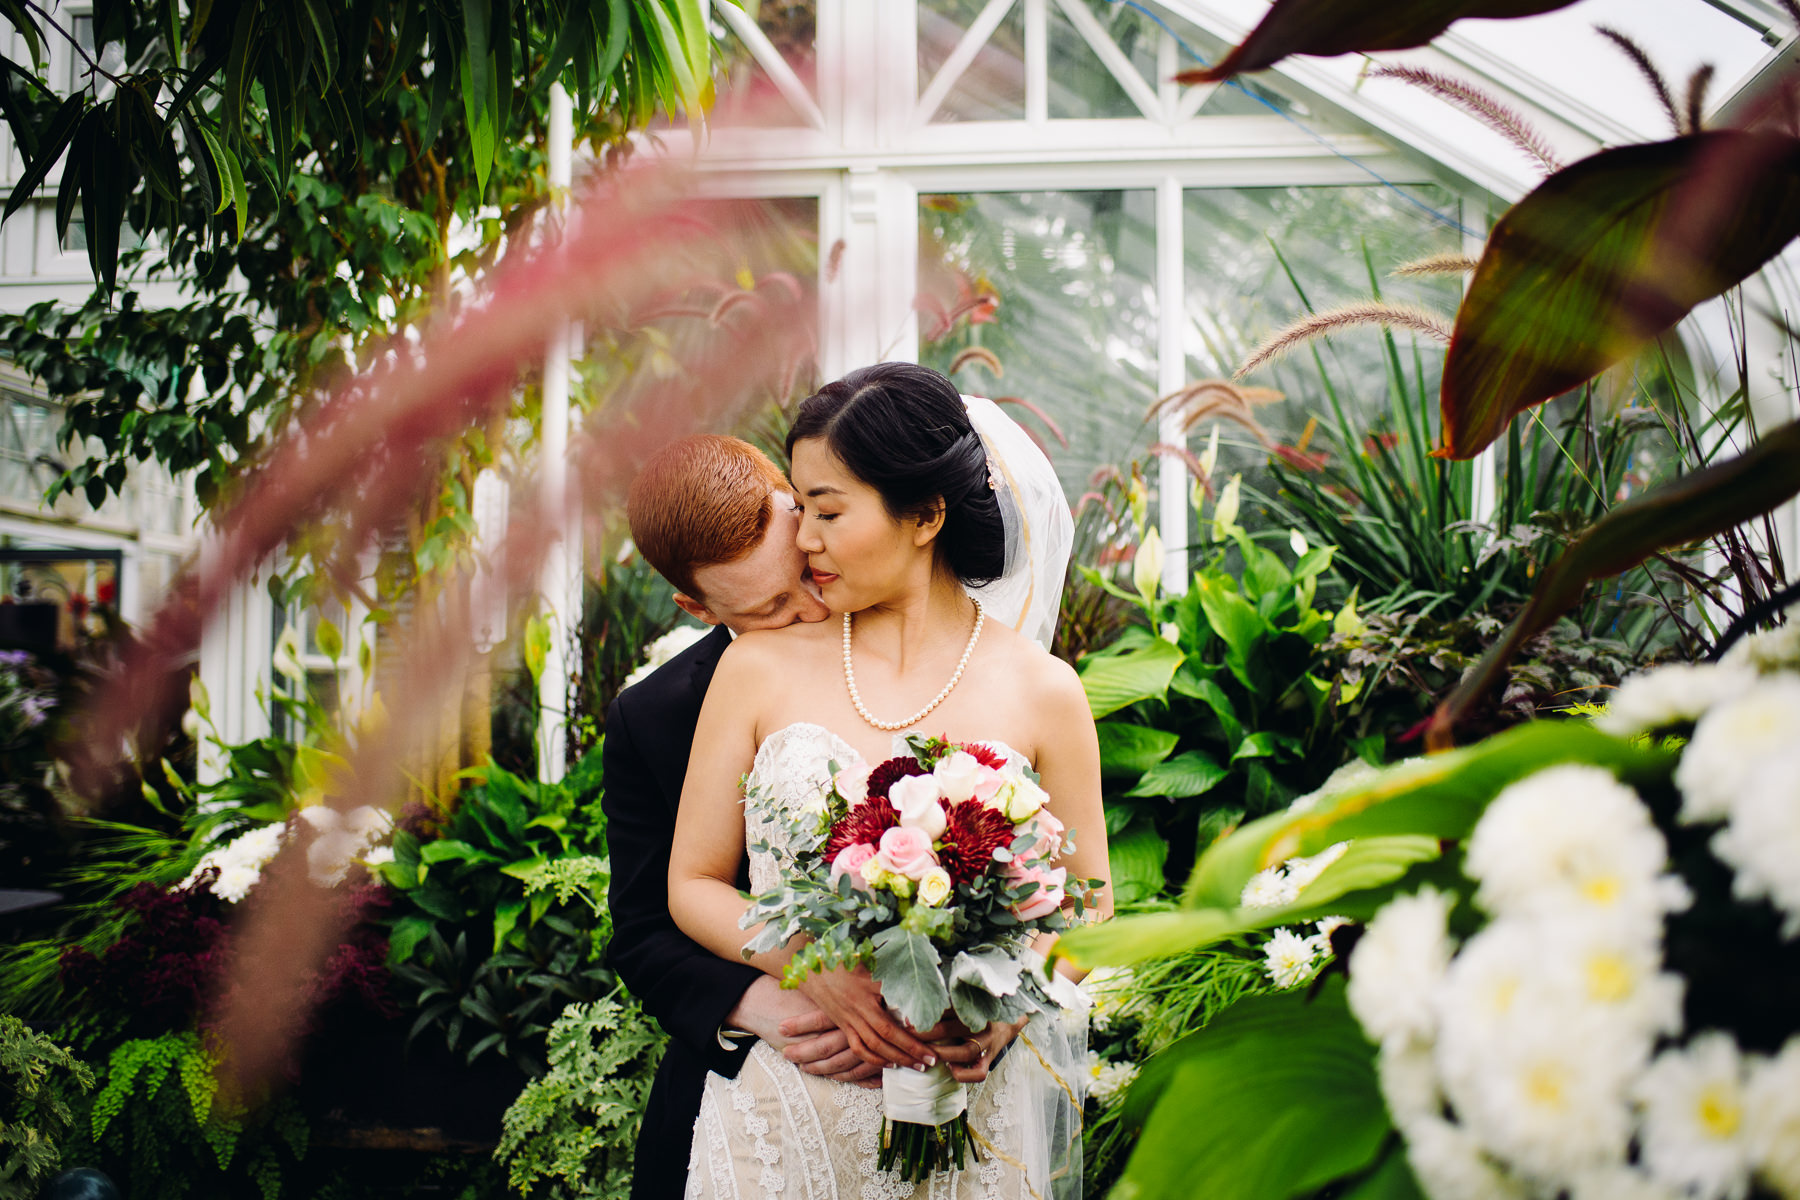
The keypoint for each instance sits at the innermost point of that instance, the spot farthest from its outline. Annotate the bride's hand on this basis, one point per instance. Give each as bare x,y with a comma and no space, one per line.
853,1000
970,1056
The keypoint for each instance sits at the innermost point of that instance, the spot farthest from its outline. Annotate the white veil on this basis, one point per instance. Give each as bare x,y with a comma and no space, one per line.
1040,530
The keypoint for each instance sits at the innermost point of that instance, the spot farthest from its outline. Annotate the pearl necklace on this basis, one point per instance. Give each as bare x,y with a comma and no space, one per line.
892,726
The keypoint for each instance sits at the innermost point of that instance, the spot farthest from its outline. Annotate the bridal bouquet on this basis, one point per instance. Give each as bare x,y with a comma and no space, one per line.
933,870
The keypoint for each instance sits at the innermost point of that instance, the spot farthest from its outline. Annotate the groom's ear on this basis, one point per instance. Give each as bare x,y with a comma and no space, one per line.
930,523
695,609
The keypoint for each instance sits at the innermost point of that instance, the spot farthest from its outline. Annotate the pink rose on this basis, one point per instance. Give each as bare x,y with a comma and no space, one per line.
906,851
853,783
850,860
1049,832
987,783
1049,895
915,798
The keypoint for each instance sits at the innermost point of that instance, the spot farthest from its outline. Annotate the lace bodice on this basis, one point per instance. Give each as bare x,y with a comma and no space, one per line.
794,764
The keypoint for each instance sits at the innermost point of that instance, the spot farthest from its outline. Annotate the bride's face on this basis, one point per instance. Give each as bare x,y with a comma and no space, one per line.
859,554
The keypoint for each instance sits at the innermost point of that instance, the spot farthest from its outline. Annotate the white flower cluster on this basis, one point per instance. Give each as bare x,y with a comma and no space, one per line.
1280,886
1107,1080
1291,958
664,648
1112,991
1524,1061
337,842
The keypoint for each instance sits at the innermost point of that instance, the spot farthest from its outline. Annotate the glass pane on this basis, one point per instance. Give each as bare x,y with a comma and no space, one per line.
746,94
1260,258
1060,288
993,86
1080,84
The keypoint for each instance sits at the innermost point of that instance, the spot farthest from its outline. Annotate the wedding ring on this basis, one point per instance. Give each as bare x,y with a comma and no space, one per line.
979,1051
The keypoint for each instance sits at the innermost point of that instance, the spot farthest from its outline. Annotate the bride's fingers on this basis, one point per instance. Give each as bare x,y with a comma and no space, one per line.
807,1025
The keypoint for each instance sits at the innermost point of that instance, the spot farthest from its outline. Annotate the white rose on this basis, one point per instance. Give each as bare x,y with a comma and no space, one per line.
853,784
956,775
916,799
935,887
1019,799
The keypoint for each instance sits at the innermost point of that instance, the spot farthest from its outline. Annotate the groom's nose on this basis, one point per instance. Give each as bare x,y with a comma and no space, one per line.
812,607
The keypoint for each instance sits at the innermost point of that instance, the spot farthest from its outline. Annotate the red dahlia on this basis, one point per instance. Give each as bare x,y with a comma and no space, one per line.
970,838
864,823
891,772
986,755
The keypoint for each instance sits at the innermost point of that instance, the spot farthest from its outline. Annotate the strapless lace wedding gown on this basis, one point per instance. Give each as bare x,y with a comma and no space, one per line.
777,1133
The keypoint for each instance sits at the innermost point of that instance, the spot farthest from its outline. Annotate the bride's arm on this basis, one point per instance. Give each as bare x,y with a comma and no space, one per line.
1069,763
709,849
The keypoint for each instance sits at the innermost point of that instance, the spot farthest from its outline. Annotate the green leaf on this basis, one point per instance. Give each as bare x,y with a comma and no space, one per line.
1113,682
536,646
978,979
1257,745
57,136
506,916
1136,860
1235,620
1392,1179
407,933
1127,751
451,850
906,966
1276,1097
1603,256
1698,505
1191,773
1327,27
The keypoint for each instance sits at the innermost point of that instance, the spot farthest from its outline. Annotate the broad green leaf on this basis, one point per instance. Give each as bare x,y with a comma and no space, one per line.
1392,1179
906,965
1276,1097
1327,27
1260,744
1127,751
451,850
407,933
1136,939
1234,619
1698,505
977,980
1603,256
1112,683
1188,774
1136,860
506,917
330,642
536,646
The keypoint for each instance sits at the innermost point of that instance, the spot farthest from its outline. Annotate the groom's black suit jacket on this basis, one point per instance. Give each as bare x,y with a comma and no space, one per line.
688,989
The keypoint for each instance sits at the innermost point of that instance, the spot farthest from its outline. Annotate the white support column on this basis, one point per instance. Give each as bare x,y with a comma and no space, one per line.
1484,502
562,565
1171,376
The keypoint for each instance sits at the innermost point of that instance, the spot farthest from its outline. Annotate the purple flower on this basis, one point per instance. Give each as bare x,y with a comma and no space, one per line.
15,658
35,707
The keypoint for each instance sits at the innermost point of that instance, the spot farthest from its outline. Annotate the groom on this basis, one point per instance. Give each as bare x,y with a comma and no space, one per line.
715,517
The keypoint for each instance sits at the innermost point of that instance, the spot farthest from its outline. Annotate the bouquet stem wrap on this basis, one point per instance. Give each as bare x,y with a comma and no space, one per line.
927,1125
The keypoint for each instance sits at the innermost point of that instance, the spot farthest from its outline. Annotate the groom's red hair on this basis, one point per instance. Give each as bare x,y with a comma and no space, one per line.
699,501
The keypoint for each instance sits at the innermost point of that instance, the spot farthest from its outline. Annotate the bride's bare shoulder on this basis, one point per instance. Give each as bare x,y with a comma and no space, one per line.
1039,673
760,647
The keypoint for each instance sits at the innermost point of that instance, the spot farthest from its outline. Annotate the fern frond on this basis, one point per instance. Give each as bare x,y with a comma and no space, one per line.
1437,264
1366,312
1483,107
1640,58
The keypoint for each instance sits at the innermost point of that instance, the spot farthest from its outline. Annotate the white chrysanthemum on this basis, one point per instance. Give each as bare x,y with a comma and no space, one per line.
1398,964
1539,1073
1289,958
1695,1127
1108,1080
664,648
1409,1082
1302,871
1110,990
1673,695
1450,1165
1618,1183
378,855
1571,837
235,881
1268,889
1772,1104
1761,841
369,822
257,846
1733,745
329,856
1770,651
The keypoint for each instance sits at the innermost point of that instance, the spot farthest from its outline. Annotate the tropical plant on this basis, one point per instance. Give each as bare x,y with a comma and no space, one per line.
1634,875
572,1133
499,918
1219,705
41,1080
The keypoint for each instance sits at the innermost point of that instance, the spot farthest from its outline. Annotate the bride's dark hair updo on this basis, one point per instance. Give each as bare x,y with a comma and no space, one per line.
903,430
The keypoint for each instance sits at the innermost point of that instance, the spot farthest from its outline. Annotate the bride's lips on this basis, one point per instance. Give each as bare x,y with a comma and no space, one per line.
822,578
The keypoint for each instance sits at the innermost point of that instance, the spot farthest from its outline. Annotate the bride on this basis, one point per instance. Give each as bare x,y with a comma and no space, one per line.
919,533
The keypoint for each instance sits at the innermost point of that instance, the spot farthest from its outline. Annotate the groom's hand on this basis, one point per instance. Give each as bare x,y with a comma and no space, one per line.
852,999
815,1044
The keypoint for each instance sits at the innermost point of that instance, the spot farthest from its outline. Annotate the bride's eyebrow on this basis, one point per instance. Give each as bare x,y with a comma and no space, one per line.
824,489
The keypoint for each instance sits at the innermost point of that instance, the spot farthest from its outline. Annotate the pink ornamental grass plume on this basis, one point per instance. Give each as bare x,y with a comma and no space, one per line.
367,456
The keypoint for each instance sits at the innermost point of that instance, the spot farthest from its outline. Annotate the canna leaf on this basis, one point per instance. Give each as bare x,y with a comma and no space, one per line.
1113,682
1127,751
1325,27
1604,256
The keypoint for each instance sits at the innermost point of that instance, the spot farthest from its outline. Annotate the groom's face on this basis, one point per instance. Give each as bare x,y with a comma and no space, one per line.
767,588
